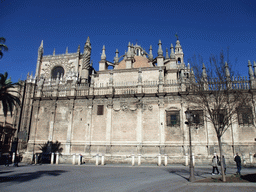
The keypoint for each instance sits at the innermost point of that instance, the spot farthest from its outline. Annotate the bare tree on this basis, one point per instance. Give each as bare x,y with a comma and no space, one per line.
219,94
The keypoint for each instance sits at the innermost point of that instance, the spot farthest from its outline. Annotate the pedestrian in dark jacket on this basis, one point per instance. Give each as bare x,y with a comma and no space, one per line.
238,163
215,164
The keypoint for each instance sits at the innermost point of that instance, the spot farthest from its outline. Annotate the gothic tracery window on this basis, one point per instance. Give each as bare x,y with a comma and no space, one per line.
57,72
244,115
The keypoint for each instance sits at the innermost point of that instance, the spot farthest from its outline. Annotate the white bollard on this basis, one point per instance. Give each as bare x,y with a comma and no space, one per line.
139,159
244,161
159,160
36,158
133,160
102,160
97,160
251,158
57,158
193,158
74,159
79,159
13,157
165,160
186,159
52,158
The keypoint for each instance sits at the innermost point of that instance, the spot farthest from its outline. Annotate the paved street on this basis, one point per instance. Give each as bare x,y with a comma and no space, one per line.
111,178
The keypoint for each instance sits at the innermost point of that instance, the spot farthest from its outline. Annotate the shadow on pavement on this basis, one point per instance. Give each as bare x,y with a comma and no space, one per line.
181,173
23,177
249,177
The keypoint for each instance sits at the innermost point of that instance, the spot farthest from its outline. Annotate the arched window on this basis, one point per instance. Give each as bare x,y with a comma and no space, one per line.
179,60
138,52
57,70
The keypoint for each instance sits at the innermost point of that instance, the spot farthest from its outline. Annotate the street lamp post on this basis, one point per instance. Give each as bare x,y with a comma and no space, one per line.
190,117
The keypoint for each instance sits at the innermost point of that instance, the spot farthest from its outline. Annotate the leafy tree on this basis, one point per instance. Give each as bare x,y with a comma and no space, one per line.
3,47
7,88
218,94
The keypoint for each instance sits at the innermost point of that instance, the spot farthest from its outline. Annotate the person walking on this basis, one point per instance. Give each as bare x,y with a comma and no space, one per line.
215,164
238,163
224,164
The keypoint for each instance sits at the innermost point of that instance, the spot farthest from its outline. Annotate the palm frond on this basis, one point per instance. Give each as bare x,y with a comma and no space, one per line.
3,47
2,40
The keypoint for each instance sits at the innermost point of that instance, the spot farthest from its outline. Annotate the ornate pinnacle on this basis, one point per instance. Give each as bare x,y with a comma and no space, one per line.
53,52
204,74
78,49
42,44
103,55
172,52
116,57
160,51
250,70
150,56
67,50
41,48
88,43
129,54
227,73
167,54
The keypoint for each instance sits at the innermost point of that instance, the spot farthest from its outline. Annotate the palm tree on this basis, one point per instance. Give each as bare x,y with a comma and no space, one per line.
3,47
7,88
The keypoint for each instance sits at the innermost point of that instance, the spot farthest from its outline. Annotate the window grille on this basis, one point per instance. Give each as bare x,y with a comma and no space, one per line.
173,118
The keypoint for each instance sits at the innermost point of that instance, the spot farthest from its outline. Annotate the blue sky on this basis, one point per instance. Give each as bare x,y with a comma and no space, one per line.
204,27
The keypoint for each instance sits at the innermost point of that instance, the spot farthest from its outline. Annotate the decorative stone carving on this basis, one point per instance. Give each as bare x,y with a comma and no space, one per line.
150,107
68,66
124,107
172,108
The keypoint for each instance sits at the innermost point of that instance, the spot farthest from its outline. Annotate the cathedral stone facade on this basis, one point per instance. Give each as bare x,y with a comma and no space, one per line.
136,108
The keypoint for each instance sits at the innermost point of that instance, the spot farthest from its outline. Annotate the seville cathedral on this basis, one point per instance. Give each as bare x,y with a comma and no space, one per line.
134,108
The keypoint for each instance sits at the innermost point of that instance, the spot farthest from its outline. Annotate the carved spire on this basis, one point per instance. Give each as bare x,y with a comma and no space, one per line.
41,48
129,54
160,50
88,43
86,54
167,54
227,73
42,44
204,74
172,55
132,50
103,54
39,57
116,57
78,49
250,70
67,50
150,56
53,52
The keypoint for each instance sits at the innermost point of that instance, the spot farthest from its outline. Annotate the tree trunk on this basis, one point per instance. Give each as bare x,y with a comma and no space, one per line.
221,159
